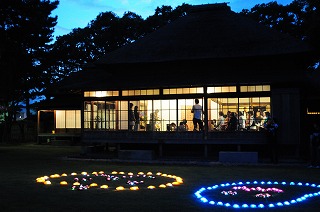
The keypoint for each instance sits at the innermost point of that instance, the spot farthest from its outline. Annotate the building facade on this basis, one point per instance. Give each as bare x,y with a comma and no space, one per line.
230,63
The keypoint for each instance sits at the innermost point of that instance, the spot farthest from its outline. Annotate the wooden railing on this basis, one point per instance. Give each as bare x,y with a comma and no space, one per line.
237,137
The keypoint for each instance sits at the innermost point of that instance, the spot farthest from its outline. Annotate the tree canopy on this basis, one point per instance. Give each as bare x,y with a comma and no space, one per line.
26,29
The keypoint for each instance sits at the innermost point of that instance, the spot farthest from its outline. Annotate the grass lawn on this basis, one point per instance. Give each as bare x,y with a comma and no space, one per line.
21,165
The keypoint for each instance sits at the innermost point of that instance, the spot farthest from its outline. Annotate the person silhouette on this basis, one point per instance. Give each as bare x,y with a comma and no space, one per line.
137,118
131,117
197,115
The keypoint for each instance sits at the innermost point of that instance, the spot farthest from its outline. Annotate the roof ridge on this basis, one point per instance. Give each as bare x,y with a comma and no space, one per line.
210,7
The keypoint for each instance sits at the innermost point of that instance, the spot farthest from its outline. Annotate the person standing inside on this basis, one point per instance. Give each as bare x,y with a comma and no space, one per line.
137,118
131,117
197,115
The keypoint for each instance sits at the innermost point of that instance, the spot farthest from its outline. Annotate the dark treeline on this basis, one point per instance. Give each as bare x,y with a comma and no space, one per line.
31,63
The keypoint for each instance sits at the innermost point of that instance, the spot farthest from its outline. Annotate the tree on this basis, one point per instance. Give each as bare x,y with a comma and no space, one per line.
104,34
25,30
301,19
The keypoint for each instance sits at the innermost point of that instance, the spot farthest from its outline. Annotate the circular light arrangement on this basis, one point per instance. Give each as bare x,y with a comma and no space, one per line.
116,181
255,194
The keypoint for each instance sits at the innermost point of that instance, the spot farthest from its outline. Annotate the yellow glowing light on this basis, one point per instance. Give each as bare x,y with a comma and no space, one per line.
120,188
104,186
175,183
41,179
54,176
76,183
63,183
179,179
151,187
134,188
93,185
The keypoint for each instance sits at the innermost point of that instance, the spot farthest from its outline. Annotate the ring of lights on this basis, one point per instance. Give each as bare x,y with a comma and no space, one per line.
262,190
119,180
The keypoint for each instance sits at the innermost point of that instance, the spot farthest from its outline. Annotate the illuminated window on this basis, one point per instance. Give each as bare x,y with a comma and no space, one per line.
140,92
254,88
223,89
193,90
68,119
249,111
100,93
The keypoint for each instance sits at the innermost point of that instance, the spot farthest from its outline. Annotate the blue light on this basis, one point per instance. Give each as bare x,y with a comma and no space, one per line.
245,206
279,204
271,205
253,206
198,195
235,205
203,199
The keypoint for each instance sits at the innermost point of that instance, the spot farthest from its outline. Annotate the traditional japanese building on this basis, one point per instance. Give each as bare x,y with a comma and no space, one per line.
227,61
